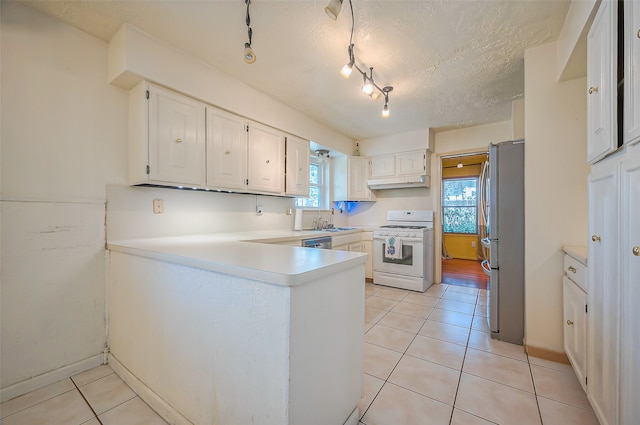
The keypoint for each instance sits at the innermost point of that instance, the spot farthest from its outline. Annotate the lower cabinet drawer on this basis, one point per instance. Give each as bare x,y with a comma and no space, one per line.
576,271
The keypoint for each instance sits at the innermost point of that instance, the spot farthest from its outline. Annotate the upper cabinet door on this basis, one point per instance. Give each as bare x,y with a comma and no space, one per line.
297,167
226,150
358,169
176,138
631,72
383,166
601,83
411,163
266,159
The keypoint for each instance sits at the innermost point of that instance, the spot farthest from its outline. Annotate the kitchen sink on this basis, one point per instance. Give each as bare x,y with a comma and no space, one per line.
338,229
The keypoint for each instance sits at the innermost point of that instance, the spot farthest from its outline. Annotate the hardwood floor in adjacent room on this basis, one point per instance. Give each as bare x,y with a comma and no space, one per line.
464,273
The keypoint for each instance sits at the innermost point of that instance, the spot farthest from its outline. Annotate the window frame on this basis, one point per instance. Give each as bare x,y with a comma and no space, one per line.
323,185
443,206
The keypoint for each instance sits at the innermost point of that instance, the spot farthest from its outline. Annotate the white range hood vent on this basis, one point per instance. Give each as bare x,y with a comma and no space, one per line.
400,182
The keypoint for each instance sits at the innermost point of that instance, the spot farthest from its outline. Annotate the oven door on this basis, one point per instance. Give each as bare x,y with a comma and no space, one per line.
409,265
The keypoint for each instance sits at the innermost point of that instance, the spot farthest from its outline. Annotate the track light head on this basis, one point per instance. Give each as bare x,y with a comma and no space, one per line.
249,55
333,9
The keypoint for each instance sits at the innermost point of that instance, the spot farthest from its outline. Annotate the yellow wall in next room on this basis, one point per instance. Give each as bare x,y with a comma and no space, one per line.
460,246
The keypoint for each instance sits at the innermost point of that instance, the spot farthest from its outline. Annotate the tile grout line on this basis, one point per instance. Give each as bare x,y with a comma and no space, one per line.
87,401
535,392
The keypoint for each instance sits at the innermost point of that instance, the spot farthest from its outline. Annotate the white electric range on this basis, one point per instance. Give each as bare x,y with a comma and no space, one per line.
403,250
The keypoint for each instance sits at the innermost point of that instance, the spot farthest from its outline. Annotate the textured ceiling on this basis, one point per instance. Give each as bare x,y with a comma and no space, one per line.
451,63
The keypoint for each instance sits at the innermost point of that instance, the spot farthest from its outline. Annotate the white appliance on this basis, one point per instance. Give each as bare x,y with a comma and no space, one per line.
505,265
403,250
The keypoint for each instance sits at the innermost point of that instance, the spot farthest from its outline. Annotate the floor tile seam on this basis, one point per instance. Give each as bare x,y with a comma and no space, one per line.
568,372
38,403
95,415
92,381
419,393
474,414
119,404
449,323
390,327
454,311
443,340
432,362
375,396
568,404
498,354
459,301
464,357
535,391
498,382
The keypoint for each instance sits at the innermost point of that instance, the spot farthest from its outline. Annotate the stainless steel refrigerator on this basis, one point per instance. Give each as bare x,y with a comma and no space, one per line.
505,218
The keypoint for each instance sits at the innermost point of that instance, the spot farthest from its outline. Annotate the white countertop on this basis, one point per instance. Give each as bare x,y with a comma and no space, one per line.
250,255
580,253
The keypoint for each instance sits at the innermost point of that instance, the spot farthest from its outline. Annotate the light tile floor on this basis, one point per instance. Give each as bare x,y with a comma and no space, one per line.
95,397
430,360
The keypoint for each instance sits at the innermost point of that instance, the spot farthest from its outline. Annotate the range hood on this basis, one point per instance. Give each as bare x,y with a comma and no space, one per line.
400,182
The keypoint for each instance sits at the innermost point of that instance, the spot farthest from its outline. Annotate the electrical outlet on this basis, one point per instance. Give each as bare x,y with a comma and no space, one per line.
259,210
158,206
473,244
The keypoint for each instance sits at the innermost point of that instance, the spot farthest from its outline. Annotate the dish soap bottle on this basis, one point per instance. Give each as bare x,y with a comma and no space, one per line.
356,151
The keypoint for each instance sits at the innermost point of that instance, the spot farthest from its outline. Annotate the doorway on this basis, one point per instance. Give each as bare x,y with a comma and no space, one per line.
463,225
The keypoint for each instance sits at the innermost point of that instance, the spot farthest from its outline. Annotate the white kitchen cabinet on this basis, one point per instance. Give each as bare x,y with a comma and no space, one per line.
356,247
166,138
601,83
367,246
350,175
630,288
411,163
265,162
383,166
603,317
342,247
631,122
226,150
297,166
575,327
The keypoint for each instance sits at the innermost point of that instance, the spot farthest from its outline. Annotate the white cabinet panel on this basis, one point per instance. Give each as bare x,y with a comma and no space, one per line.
603,297
266,159
350,179
226,150
176,138
297,167
601,83
411,163
383,166
630,290
575,327
631,121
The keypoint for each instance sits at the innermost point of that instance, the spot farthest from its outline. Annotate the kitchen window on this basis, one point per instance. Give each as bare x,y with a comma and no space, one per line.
460,205
318,187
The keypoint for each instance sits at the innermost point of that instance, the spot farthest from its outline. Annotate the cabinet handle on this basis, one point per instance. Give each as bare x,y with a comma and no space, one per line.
569,322
593,90
227,152
636,251
638,33
178,140
595,238
572,269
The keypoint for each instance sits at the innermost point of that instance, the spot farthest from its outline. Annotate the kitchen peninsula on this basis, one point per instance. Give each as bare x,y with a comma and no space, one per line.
221,329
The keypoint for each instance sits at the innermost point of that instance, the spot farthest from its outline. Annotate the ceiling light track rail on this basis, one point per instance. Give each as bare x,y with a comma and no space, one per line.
369,86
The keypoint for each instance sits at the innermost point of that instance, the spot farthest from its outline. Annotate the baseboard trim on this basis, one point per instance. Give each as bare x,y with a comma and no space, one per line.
546,354
157,403
37,382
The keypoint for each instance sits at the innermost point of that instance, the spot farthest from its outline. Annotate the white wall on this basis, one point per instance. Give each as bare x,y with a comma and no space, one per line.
556,189
63,136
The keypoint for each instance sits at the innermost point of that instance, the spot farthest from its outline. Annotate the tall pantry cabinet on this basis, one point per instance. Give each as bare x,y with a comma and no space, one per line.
613,318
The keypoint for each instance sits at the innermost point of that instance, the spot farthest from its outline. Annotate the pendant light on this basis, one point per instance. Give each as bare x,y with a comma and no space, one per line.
249,55
333,9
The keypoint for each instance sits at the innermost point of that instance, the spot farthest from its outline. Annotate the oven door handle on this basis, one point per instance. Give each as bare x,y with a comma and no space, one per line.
384,238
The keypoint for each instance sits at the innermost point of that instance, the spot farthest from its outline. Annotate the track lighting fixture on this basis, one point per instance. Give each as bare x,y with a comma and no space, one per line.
249,55
333,9
460,163
369,86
